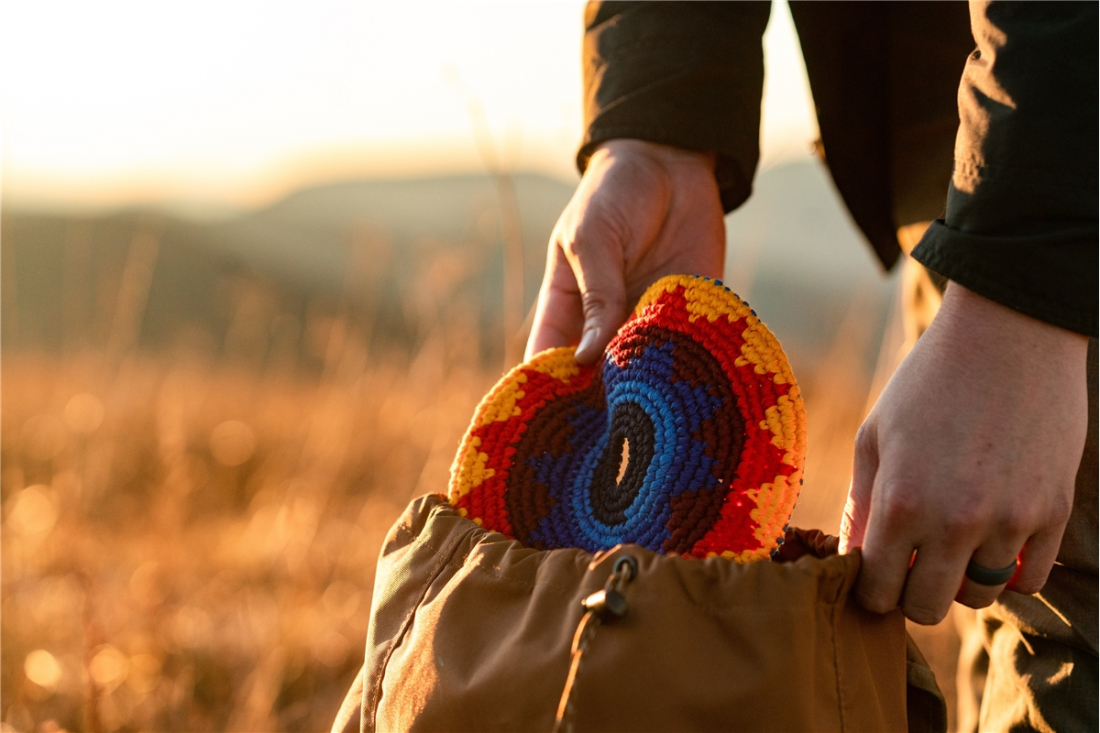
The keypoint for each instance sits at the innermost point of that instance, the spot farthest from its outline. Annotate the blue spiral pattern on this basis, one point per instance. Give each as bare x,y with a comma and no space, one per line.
645,401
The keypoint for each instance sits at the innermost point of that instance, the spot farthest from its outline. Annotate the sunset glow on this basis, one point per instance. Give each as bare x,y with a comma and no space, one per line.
214,105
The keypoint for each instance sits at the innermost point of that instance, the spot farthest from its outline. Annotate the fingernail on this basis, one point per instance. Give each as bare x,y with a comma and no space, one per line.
588,341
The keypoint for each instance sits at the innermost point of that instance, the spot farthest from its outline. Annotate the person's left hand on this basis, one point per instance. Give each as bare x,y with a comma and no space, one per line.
970,452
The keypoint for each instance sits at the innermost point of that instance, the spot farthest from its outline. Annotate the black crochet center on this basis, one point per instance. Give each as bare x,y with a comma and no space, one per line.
610,499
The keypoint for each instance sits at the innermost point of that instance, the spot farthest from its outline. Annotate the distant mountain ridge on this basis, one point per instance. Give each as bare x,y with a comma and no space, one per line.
308,230
793,251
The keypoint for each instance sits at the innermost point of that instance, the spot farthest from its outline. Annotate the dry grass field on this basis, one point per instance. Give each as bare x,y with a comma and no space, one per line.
189,545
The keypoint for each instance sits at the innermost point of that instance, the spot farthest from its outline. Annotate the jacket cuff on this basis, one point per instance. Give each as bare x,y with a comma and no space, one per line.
733,176
1050,276
688,75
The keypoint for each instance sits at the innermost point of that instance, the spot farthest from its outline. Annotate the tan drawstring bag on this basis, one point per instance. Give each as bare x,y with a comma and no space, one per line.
471,631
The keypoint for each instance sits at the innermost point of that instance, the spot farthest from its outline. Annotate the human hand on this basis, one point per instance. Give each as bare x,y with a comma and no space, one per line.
641,211
970,452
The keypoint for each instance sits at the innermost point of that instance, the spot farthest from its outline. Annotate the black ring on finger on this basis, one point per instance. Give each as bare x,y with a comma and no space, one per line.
982,575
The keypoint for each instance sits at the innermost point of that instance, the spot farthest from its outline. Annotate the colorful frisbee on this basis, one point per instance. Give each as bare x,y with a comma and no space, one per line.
688,439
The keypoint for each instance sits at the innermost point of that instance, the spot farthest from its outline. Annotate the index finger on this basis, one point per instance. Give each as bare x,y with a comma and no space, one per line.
559,314
887,556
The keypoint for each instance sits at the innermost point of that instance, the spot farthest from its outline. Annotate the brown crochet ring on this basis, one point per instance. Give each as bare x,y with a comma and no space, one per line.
689,438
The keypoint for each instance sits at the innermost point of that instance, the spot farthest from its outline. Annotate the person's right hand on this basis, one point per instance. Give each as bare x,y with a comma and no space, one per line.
641,211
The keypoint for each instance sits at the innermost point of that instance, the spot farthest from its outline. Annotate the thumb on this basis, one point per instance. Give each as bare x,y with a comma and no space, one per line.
857,509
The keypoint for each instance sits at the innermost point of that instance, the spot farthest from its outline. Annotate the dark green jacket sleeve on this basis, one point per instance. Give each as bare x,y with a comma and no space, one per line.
1020,226
684,74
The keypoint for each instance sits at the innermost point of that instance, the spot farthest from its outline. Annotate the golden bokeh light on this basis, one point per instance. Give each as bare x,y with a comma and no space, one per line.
143,674
32,511
109,667
43,669
232,442
83,413
146,585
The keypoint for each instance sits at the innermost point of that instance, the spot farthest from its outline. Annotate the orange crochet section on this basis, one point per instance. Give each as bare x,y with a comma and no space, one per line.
689,438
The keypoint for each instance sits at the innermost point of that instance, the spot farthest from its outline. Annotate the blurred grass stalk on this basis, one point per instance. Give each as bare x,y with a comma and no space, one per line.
499,167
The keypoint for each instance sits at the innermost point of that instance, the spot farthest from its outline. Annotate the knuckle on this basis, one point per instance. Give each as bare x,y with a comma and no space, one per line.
1062,506
875,601
924,615
901,507
977,601
866,442
1028,588
1018,523
577,239
1029,583
599,225
583,232
597,304
962,522
562,234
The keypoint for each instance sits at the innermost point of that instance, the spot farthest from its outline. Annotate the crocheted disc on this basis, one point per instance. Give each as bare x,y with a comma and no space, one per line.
694,394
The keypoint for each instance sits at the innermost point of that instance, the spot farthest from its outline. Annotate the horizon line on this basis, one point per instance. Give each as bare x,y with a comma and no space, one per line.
166,198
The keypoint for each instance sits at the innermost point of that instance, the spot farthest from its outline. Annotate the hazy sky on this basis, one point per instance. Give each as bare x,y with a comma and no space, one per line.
234,103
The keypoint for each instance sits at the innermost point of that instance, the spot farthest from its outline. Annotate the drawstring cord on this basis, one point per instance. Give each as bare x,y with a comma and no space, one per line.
603,606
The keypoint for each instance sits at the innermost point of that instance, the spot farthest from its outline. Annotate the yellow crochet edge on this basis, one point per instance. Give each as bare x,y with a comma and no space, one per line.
468,470
786,420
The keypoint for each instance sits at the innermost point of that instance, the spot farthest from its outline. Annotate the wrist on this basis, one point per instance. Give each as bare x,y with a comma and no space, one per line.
665,154
979,320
